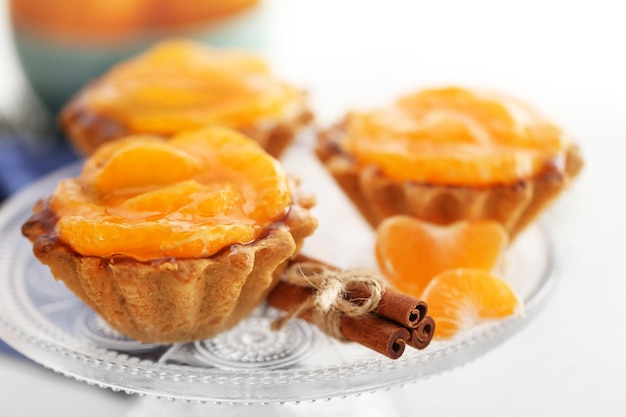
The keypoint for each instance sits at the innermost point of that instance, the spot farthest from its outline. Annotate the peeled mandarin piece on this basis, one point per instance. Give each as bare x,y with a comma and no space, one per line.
141,163
459,299
259,176
475,111
188,197
460,165
165,95
267,177
164,200
216,200
410,251
184,110
69,198
208,239
94,237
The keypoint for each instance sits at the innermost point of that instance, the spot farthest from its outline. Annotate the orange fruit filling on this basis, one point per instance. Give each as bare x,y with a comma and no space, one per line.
189,197
454,136
459,299
179,85
411,252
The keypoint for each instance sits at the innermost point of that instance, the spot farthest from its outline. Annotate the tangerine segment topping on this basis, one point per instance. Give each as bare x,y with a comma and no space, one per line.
180,84
189,197
461,298
456,137
264,188
411,252
135,164
148,240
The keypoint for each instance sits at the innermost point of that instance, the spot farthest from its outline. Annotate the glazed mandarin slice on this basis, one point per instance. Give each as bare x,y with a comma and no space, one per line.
472,112
410,251
220,199
166,199
139,162
459,299
70,197
148,240
183,55
187,197
260,178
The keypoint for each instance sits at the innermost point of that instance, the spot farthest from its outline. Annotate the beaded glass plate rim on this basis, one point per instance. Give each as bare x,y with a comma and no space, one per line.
45,345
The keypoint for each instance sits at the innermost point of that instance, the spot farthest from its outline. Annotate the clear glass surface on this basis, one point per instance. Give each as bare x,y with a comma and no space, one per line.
250,364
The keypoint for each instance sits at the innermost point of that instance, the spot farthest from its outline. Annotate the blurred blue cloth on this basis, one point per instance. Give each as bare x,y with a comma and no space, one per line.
22,163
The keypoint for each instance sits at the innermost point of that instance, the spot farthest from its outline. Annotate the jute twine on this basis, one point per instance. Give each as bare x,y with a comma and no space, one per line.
329,302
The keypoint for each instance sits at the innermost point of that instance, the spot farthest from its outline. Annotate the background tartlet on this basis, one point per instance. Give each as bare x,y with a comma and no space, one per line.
179,85
450,154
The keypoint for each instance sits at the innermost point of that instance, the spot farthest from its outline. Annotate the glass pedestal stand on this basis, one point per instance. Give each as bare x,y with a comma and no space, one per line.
250,364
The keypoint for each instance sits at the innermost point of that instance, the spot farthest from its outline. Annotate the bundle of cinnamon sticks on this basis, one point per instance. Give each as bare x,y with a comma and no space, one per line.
397,320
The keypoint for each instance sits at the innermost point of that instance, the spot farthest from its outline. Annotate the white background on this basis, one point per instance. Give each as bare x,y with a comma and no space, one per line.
565,57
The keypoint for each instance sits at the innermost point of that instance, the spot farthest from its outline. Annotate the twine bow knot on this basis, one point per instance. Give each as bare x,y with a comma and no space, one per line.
330,302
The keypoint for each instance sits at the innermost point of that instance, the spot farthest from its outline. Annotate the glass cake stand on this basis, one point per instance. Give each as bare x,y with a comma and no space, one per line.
250,364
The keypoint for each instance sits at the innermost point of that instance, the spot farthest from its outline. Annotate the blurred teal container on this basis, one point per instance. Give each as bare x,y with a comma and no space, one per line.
58,63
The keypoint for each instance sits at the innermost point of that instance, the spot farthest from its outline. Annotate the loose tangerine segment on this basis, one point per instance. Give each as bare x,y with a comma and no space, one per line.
456,137
410,251
459,299
187,197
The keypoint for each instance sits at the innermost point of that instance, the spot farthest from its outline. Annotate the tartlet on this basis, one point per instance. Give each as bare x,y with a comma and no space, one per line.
179,85
450,154
173,240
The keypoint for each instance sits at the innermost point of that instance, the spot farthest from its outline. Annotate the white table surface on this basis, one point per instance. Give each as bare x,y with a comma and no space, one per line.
565,57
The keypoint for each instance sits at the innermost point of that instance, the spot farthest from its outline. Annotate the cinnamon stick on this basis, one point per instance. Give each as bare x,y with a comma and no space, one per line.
422,334
371,331
394,305
376,333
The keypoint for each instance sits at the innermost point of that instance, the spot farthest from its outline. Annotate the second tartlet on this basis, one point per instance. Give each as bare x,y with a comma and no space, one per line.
179,85
450,154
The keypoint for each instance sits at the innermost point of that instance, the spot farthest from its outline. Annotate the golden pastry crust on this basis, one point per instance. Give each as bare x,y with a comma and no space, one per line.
174,300
377,197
